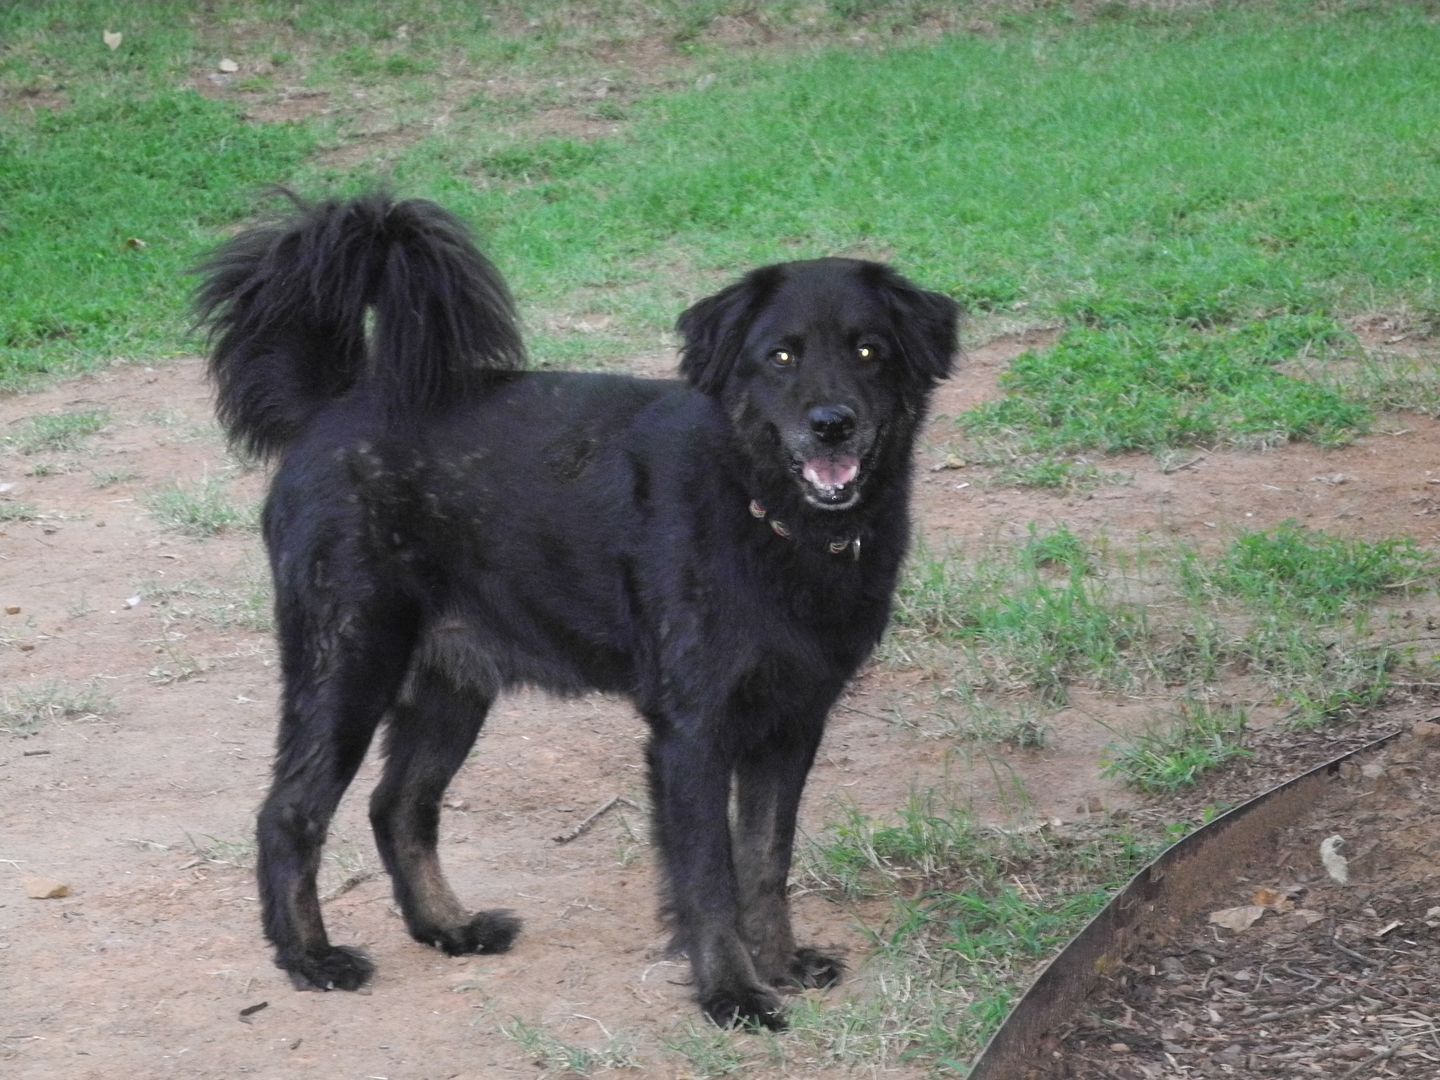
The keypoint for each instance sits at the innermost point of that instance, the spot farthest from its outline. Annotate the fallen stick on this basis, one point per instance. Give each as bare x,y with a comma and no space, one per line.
566,837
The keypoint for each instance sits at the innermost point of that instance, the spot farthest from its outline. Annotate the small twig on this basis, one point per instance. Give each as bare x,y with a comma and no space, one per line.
1193,461
358,878
1373,989
571,834
866,713
1368,961
1306,1010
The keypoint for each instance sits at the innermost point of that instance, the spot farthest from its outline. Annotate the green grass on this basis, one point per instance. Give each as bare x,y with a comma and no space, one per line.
199,511
1199,169
1153,386
1034,618
59,431
1319,575
1202,737
1168,175
107,202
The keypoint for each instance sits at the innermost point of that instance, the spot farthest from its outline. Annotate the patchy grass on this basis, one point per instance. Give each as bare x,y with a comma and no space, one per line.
1033,619
243,605
59,431
18,511
232,854
974,910
1318,575
555,1056
26,712
200,511
1201,737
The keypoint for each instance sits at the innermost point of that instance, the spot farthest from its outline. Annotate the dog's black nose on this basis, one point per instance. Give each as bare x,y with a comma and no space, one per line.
832,423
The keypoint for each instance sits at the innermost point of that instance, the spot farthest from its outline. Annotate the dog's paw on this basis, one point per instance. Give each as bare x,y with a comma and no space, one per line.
332,968
811,968
751,1007
487,932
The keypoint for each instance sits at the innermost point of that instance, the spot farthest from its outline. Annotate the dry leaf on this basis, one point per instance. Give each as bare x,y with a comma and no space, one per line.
112,40
228,66
1336,865
1273,899
1237,918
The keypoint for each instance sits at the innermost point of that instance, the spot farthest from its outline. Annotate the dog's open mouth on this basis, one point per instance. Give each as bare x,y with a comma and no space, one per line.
830,481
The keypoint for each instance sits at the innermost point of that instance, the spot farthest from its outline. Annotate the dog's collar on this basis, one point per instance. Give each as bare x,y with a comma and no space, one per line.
835,547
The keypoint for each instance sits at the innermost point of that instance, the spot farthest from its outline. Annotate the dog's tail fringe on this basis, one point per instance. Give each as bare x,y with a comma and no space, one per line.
302,309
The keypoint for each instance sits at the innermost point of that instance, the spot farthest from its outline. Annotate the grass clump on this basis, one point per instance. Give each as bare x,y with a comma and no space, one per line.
59,431
18,511
26,712
1154,386
1035,618
201,511
864,857
245,604
1203,737
1317,575
556,1056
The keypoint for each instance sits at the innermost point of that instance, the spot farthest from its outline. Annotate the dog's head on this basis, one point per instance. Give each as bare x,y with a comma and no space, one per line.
822,366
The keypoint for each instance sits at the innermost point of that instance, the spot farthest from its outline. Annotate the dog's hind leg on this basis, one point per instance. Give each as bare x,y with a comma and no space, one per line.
429,737
769,781
343,668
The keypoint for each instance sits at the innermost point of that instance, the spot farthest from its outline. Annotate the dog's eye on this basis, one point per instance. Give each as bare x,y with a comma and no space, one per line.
867,352
782,357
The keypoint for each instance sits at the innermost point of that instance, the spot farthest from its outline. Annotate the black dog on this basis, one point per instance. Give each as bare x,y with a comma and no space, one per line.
443,526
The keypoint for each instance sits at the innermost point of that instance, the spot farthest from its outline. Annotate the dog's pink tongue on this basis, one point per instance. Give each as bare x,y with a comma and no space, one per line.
826,473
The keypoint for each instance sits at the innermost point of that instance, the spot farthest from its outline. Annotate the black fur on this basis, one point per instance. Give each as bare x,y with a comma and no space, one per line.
442,527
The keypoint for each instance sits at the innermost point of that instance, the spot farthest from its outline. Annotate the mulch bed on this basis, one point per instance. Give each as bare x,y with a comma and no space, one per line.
1331,979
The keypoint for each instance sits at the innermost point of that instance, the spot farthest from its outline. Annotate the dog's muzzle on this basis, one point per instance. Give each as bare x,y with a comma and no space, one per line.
829,466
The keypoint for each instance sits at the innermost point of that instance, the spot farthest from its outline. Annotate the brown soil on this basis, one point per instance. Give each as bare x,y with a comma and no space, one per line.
145,809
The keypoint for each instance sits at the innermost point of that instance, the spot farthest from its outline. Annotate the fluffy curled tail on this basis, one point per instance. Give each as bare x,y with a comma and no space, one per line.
303,309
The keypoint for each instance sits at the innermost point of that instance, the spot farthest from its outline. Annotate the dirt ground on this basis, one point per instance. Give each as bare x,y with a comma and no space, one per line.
153,964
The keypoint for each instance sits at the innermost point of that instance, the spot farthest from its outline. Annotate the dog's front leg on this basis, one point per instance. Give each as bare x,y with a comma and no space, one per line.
690,786
769,781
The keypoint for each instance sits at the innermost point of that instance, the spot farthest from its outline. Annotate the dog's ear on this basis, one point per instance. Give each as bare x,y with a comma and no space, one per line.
926,324
713,329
